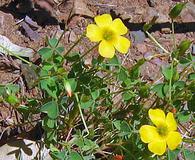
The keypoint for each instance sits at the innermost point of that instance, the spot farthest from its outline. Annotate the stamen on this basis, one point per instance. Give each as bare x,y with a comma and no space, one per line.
108,35
162,130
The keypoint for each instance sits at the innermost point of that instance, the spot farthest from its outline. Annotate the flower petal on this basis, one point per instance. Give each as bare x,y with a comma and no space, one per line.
173,140
106,49
122,44
157,147
119,27
103,20
157,116
148,133
94,33
171,123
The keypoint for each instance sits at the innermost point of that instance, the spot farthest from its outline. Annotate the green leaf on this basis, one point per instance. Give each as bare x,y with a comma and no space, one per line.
117,124
135,70
86,105
49,123
191,104
176,10
89,145
75,156
168,74
23,108
73,57
45,53
51,108
115,61
144,91
172,155
189,155
73,83
123,127
128,95
53,42
50,86
12,88
60,50
184,116
191,76
50,135
123,75
160,89
179,85
95,94
12,99
184,46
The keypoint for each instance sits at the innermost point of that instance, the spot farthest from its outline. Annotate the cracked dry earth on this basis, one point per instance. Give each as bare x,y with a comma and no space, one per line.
48,17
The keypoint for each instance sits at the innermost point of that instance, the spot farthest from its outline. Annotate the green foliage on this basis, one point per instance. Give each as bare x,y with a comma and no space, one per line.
176,10
95,111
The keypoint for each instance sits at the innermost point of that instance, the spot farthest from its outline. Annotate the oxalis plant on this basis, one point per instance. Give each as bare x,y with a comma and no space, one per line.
105,110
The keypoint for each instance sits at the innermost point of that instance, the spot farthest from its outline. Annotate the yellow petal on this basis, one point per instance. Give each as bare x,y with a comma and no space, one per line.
119,27
103,20
106,49
148,133
157,147
171,123
173,140
122,44
94,33
157,116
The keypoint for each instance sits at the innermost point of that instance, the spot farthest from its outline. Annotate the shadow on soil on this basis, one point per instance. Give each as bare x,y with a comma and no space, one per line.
41,16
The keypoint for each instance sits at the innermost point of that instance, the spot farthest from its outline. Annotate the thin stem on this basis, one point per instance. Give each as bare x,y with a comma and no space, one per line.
173,33
81,114
156,42
15,55
81,37
170,84
189,140
88,51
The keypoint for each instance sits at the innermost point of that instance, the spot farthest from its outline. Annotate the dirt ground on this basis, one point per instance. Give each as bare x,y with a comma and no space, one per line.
48,18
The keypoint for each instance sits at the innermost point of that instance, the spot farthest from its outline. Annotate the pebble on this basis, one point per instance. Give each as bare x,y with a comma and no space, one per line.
151,3
137,36
141,48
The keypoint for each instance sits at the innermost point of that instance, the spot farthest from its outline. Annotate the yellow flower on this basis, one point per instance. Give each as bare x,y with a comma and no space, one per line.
163,135
108,32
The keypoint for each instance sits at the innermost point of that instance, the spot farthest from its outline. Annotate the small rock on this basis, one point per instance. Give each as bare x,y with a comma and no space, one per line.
80,7
166,30
72,36
33,35
137,36
32,23
141,48
151,3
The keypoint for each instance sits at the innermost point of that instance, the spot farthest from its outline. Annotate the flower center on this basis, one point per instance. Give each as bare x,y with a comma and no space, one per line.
162,130
108,34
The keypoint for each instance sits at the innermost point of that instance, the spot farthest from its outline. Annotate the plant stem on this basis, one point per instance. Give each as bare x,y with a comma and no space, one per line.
156,42
81,114
170,83
81,37
173,34
189,140
88,51
15,55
